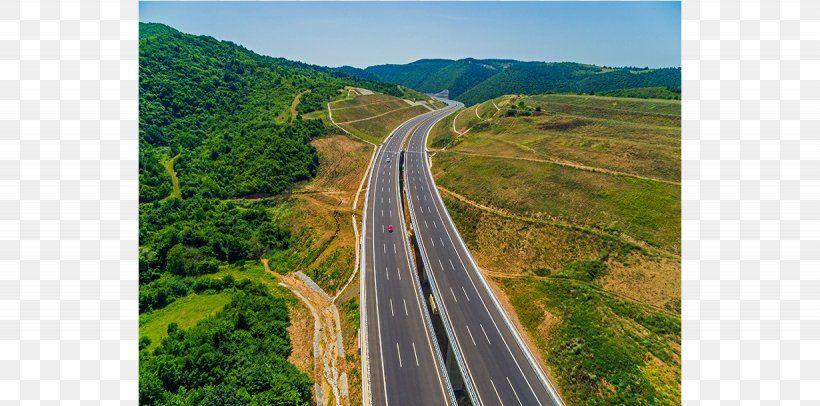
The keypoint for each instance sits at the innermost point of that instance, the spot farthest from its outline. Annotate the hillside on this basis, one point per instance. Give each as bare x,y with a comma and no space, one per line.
589,260
474,80
233,169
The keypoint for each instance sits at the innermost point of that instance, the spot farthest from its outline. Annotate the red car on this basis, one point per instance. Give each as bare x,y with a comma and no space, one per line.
390,228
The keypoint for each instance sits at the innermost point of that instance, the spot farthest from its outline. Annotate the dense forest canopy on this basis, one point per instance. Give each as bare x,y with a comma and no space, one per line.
476,80
215,102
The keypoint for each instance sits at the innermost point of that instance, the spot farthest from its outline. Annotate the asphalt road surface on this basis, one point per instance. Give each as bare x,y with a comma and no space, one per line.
404,365
498,369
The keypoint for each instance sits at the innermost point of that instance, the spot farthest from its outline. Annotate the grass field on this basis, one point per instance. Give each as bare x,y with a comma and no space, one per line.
571,206
185,312
372,117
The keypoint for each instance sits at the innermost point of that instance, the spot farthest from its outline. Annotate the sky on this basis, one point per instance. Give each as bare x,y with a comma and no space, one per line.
361,34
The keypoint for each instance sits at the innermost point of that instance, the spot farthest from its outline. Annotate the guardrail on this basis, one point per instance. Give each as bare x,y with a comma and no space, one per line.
519,340
366,379
454,345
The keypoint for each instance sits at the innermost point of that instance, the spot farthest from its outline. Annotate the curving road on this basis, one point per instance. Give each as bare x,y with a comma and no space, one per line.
497,367
401,361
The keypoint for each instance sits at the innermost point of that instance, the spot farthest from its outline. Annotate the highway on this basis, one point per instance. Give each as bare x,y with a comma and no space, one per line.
497,367
401,361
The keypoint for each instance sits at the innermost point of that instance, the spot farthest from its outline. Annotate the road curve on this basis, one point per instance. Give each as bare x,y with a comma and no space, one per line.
497,367
401,361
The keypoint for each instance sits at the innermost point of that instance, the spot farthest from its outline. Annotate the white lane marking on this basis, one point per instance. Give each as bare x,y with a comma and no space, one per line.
425,224
465,293
384,247
496,391
428,209
434,224
433,242
405,307
387,273
399,352
414,353
514,392
451,264
485,333
388,201
382,200
382,228
429,180
390,212
398,271
394,248
376,293
391,308
471,336
442,241
454,295
382,212
440,264
425,198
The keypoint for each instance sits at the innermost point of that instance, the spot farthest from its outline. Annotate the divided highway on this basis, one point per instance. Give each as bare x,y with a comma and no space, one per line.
497,367
401,361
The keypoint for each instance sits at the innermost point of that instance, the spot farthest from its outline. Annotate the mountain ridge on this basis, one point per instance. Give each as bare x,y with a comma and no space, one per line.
472,80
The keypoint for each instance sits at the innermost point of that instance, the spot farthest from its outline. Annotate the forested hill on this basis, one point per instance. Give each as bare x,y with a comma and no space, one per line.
214,103
476,80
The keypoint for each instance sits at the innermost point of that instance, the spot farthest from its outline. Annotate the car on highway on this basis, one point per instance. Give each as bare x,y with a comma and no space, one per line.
389,228
388,159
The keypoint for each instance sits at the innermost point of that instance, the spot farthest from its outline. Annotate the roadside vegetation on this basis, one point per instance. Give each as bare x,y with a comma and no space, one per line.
571,206
372,117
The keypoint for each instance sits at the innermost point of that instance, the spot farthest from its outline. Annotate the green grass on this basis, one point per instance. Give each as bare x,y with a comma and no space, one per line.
168,163
602,349
639,137
377,129
642,209
185,312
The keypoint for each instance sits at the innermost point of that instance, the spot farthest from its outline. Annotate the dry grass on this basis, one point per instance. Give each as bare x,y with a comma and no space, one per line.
373,117
377,129
301,337
580,233
322,209
635,208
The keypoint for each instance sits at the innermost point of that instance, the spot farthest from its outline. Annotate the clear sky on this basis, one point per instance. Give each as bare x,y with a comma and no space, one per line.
615,33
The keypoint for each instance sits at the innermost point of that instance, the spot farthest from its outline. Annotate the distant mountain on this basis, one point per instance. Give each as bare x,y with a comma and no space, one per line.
350,70
476,80
539,77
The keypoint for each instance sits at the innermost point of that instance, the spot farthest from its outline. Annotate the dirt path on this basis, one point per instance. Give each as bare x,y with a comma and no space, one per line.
377,115
329,355
501,275
168,163
570,164
295,103
558,223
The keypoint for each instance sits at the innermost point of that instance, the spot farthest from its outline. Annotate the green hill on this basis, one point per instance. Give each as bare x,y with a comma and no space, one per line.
215,129
213,102
475,80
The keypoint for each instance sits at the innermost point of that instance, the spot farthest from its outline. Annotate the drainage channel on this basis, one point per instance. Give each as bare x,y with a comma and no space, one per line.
453,370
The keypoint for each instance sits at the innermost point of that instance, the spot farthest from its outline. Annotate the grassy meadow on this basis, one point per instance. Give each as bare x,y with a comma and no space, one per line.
571,206
373,117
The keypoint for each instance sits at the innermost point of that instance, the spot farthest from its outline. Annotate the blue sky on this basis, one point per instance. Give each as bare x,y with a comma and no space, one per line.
616,33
